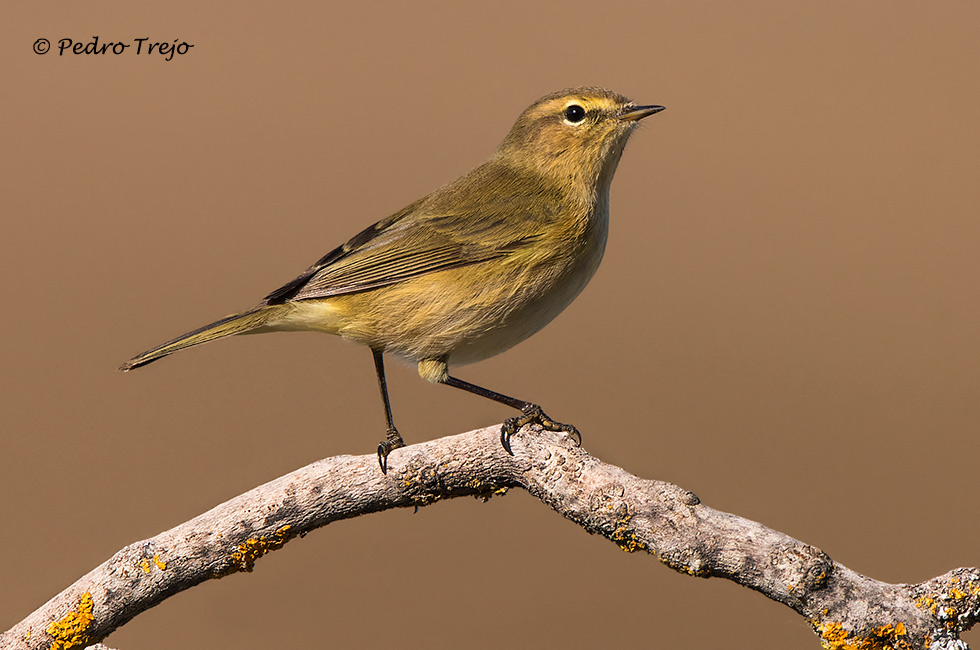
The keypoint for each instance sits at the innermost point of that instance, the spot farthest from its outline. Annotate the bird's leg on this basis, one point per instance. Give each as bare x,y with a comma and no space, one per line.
532,413
394,440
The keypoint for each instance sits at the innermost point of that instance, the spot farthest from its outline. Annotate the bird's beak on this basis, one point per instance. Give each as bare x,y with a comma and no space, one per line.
634,113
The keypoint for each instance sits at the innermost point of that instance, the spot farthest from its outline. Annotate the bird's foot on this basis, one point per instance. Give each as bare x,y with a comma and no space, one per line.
532,414
394,441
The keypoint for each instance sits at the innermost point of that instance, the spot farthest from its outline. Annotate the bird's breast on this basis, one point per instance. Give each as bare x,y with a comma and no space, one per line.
467,314
532,289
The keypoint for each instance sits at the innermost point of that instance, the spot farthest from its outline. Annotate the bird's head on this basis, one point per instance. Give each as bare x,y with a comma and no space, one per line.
575,135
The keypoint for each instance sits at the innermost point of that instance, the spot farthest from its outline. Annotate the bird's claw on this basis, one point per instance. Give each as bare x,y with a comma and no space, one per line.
394,441
532,414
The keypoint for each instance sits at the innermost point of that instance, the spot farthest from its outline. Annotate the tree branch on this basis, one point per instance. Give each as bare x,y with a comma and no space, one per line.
846,609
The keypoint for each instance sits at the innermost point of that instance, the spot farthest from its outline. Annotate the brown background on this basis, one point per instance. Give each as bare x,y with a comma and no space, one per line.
786,321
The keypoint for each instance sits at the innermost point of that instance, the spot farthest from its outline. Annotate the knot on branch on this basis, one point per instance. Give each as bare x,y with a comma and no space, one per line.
807,569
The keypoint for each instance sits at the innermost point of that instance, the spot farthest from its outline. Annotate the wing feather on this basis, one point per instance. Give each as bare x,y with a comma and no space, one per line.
451,228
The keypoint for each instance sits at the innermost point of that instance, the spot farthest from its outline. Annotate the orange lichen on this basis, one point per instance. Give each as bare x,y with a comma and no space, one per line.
70,631
886,637
833,635
145,564
926,602
245,554
625,538
948,606
486,496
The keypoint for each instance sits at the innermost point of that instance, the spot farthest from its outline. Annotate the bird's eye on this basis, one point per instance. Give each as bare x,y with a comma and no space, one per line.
574,113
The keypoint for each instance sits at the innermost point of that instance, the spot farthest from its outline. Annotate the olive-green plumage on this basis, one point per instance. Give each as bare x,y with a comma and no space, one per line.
473,268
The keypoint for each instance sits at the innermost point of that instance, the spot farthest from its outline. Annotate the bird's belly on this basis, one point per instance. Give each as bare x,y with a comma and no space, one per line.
496,332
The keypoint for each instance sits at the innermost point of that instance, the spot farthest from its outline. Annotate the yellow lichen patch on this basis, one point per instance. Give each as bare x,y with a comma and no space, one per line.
625,538
70,631
145,564
946,606
244,556
833,635
886,631
927,602
486,496
886,637
424,500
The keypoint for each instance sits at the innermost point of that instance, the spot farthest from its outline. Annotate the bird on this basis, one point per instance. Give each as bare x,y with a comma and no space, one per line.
471,269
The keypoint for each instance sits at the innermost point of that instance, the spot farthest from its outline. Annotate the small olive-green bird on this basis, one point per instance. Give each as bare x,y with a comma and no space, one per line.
475,267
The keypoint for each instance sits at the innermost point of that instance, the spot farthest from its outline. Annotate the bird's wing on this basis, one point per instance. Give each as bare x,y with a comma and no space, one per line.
428,236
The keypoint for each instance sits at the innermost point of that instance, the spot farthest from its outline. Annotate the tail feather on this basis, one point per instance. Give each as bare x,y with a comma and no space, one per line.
228,326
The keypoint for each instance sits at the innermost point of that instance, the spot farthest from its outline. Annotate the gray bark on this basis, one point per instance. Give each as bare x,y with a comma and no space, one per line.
846,609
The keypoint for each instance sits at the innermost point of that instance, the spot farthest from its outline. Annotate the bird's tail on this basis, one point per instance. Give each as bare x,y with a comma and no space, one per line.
242,323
